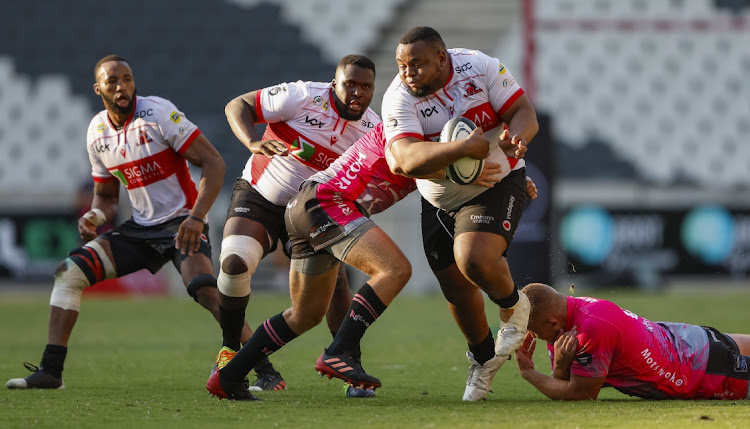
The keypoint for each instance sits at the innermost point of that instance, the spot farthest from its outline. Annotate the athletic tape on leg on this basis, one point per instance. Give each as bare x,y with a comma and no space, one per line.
70,283
250,251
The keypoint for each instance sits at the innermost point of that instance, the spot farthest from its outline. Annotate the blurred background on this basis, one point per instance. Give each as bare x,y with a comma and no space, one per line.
641,161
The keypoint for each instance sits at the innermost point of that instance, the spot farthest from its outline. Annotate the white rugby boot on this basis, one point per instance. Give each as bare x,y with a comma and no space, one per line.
480,378
511,334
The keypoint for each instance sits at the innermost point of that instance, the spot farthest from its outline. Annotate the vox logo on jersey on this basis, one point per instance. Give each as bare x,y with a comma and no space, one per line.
314,122
428,112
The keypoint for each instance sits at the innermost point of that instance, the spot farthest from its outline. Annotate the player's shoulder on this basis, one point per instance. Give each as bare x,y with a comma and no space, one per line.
466,60
97,126
154,102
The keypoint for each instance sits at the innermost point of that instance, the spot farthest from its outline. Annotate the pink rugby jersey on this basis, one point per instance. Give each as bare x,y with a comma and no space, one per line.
481,89
146,157
654,360
361,174
303,116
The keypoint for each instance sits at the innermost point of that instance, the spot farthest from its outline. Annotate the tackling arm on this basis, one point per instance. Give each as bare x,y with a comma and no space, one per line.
522,127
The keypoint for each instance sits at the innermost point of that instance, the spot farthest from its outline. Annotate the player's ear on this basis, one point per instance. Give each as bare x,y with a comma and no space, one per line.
96,89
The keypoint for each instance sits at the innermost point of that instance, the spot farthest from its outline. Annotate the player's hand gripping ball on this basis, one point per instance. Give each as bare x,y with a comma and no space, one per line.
465,170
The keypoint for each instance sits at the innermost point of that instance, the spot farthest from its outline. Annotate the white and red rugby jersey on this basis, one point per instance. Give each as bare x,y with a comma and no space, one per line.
480,88
303,116
146,157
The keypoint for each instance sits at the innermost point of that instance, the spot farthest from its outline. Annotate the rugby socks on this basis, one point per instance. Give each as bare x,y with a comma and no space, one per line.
231,322
270,336
357,353
509,301
53,359
485,350
365,309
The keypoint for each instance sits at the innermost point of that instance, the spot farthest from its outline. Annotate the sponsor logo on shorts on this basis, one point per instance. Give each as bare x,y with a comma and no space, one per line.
482,219
204,238
434,254
509,212
506,225
740,364
321,229
584,359
242,209
659,369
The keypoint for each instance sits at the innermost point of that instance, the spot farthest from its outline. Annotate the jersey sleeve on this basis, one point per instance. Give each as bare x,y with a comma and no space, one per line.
400,118
596,347
177,129
281,102
99,171
503,88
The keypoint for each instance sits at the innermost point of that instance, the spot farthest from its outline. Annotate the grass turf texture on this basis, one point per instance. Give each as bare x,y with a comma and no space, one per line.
144,363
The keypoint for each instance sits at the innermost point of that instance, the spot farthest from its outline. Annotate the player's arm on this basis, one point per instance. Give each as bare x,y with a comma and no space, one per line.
574,389
201,153
522,123
416,158
242,117
103,208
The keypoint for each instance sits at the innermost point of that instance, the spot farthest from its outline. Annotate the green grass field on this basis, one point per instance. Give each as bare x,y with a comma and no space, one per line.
144,363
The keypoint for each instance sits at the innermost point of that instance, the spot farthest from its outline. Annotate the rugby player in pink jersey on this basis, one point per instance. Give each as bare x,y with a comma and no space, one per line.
141,143
593,343
309,124
328,221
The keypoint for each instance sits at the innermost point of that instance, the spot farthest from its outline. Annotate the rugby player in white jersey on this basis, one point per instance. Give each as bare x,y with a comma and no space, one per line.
141,143
310,124
466,229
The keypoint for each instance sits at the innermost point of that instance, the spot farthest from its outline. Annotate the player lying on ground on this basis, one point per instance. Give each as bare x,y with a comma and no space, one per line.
593,343
146,153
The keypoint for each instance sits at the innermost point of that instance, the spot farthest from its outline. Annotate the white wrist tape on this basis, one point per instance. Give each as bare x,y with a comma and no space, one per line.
96,217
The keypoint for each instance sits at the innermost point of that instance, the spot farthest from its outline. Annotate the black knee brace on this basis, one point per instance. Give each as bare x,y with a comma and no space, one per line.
199,281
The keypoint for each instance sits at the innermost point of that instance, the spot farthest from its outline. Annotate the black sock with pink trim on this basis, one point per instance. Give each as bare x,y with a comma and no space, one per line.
365,309
270,336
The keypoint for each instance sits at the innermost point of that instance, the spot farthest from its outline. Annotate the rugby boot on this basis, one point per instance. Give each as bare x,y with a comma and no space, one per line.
232,390
346,368
222,359
358,392
511,334
39,379
479,383
268,380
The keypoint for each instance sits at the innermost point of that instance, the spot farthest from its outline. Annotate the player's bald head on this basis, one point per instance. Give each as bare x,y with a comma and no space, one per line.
545,302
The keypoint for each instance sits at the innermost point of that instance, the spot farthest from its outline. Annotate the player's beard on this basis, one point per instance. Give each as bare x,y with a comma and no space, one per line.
114,107
424,91
344,110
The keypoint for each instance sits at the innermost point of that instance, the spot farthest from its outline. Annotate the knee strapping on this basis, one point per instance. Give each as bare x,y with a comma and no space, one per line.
251,252
85,266
200,281
68,287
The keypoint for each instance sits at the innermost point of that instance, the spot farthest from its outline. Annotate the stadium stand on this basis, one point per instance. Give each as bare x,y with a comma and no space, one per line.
659,83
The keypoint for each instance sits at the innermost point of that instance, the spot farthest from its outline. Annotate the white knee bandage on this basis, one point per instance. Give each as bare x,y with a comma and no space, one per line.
69,285
251,251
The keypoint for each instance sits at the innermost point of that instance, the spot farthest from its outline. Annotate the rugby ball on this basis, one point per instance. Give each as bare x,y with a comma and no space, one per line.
466,170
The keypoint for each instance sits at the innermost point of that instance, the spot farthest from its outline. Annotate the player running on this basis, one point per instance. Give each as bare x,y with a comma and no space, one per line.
466,230
310,124
140,143
328,221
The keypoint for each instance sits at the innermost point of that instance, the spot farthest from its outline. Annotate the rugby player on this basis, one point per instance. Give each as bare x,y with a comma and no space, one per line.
593,343
310,124
466,229
141,143
328,221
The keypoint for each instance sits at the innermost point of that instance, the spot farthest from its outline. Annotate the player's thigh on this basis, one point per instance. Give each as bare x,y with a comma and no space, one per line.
250,214
743,342
194,265
129,256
